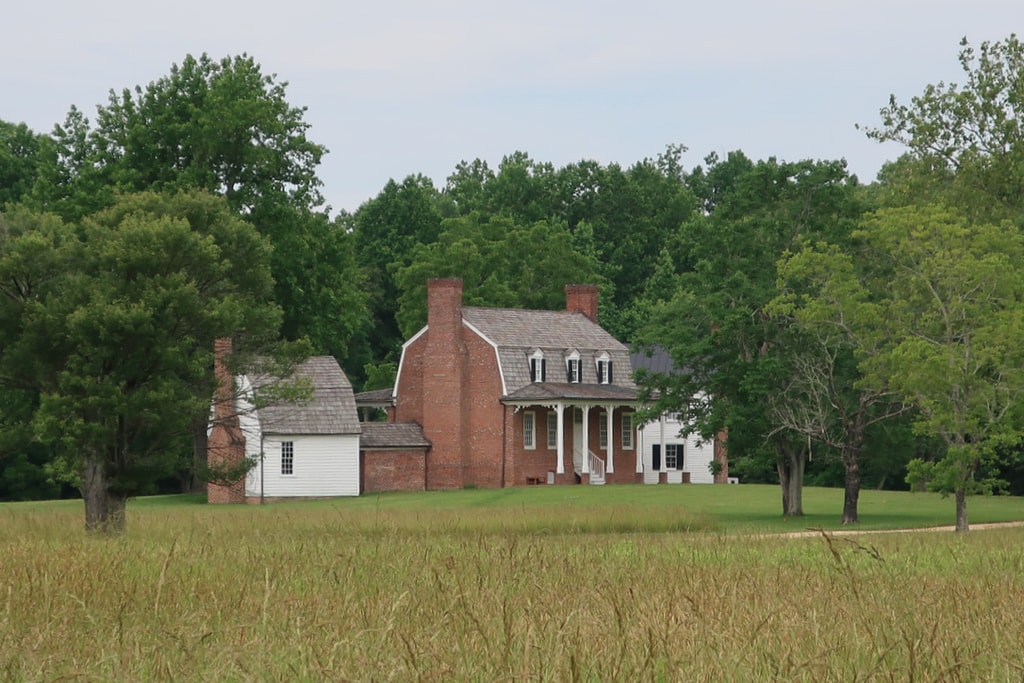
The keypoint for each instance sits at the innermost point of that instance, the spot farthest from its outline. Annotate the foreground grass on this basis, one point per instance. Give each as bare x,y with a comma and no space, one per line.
484,585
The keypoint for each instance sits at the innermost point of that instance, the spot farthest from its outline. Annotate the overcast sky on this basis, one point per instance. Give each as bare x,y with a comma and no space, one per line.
401,87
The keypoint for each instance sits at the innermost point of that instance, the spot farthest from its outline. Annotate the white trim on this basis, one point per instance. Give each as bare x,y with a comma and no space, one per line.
530,443
401,360
631,432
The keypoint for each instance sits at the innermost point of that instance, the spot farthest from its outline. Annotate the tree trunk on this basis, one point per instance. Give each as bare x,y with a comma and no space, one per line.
851,493
790,466
961,509
855,434
200,423
104,509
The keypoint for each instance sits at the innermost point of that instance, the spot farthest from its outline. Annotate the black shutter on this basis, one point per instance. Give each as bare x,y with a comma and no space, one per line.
609,372
656,457
543,368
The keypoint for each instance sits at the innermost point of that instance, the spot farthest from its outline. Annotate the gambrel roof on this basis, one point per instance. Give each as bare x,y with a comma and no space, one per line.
518,334
330,410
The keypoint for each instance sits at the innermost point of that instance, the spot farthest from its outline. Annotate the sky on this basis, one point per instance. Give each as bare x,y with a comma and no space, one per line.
400,87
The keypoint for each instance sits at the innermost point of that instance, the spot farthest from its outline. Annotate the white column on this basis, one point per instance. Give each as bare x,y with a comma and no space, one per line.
661,440
610,412
585,446
560,468
638,448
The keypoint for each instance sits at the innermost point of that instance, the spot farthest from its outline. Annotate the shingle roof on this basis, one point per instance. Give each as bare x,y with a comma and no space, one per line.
519,333
376,398
541,391
392,435
655,359
330,410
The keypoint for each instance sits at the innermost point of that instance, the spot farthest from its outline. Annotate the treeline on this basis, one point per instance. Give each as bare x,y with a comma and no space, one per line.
841,332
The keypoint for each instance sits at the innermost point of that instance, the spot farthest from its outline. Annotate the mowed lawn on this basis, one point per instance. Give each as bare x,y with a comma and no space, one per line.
545,583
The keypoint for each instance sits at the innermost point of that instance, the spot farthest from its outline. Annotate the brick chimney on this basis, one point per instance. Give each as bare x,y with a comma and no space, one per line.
582,298
444,422
226,445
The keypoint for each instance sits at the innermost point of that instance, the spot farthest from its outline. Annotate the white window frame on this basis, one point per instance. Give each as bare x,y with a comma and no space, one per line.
287,458
529,430
627,431
552,430
604,366
574,368
602,430
676,461
538,367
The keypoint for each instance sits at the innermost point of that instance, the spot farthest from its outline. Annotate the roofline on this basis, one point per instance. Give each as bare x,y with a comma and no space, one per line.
497,356
401,360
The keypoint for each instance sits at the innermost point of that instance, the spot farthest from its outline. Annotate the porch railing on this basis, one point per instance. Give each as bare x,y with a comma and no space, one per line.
596,465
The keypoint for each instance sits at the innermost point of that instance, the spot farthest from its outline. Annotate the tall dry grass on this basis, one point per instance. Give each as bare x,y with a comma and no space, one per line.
325,592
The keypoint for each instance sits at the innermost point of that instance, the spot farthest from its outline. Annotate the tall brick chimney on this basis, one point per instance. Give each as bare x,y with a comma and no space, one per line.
226,445
444,422
582,298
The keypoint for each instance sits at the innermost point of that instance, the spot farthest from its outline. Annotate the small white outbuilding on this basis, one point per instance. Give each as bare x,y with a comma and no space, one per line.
304,450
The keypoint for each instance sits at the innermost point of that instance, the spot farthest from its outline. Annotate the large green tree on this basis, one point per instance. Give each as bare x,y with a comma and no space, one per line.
112,322
225,127
387,229
714,321
952,323
968,138
500,262
826,399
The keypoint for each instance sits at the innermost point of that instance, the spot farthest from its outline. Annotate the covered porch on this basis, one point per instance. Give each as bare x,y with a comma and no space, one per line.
575,434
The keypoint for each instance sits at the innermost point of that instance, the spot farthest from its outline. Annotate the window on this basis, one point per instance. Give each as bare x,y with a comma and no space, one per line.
287,457
538,367
552,431
673,456
573,369
627,431
602,430
604,369
529,430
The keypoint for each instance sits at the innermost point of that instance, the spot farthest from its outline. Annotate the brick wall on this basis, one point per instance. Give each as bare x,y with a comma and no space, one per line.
402,470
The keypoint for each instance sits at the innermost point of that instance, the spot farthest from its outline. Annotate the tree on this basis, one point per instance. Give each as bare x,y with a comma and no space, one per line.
716,324
970,137
826,399
500,263
387,229
225,127
113,322
951,326
22,155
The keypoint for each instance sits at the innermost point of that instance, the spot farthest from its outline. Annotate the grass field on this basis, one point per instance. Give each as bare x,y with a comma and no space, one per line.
546,584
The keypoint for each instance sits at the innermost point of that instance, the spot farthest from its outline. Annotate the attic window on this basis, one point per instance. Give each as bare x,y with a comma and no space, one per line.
573,369
604,369
538,366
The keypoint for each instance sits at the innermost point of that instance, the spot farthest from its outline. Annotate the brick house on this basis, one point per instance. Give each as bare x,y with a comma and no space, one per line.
509,397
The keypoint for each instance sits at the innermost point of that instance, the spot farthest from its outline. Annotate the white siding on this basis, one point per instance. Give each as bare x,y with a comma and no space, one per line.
696,455
323,466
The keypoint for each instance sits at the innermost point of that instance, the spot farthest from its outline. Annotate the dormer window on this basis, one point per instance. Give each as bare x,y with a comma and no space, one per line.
538,366
604,369
573,369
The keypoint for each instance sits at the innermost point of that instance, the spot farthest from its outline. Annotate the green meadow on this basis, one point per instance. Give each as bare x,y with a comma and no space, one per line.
673,583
